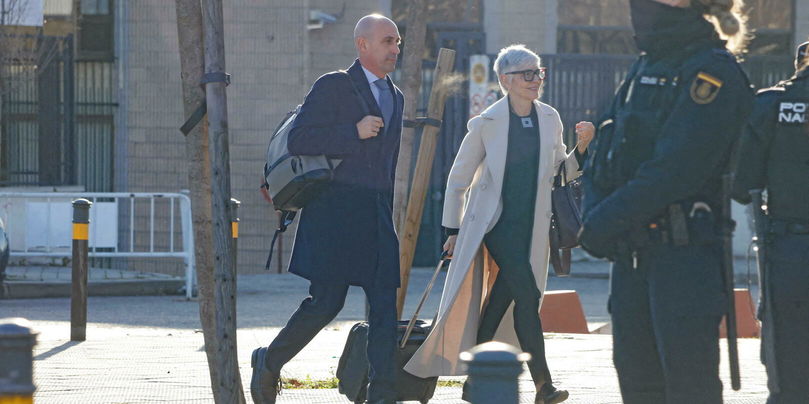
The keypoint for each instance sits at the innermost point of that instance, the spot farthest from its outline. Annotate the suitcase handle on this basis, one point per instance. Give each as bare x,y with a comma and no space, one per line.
412,321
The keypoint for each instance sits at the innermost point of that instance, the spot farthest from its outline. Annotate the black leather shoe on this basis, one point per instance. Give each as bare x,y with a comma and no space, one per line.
550,395
264,385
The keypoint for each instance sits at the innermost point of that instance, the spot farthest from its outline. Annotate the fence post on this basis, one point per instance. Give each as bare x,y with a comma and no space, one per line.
78,293
189,247
493,371
17,341
234,230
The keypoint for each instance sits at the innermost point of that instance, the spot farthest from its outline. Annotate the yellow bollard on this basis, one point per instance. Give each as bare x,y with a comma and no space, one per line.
78,292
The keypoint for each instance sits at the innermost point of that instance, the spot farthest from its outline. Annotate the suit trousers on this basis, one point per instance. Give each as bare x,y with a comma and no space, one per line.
320,308
515,283
664,350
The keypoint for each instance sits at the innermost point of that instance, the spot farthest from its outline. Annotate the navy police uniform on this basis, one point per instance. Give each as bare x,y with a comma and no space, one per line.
774,155
652,206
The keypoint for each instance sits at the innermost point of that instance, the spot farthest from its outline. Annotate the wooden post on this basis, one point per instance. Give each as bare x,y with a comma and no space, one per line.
224,275
78,292
421,176
411,84
192,63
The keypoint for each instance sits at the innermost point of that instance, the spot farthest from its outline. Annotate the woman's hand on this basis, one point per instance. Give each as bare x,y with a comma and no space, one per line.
585,132
449,246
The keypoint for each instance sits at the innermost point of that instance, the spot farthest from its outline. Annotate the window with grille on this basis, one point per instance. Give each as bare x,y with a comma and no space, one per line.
95,31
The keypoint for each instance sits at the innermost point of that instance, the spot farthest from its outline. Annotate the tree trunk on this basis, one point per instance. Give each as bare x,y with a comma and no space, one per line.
411,83
224,272
192,62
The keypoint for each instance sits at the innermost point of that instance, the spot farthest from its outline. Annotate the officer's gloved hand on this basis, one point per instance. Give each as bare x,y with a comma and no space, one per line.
595,242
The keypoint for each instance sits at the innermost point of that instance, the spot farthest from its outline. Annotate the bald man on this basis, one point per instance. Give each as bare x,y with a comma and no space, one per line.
345,235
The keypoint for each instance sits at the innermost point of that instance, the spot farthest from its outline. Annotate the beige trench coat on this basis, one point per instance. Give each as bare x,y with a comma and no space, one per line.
473,204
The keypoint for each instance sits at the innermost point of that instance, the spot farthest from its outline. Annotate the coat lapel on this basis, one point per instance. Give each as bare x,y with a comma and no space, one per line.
358,75
495,138
547,138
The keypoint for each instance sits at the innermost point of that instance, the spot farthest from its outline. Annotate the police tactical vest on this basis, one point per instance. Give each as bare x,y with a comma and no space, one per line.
642,106
788,161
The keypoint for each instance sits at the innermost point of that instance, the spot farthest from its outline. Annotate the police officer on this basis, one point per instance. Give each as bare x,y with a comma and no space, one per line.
653,199
774,155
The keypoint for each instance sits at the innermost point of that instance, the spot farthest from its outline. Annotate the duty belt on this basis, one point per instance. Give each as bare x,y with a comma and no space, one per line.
782,227
672,227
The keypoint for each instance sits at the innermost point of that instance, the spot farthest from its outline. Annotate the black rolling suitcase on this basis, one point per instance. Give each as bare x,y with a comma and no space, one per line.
352,370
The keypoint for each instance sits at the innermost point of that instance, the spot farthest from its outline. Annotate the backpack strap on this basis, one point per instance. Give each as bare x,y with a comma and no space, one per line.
287,216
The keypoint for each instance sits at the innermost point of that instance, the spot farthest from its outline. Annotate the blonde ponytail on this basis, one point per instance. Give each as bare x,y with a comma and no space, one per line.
730,21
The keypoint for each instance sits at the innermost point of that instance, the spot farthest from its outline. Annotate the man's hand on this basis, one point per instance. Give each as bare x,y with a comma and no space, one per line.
369,126
449,246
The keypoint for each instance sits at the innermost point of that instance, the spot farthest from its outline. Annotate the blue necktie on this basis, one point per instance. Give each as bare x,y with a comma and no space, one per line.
385,101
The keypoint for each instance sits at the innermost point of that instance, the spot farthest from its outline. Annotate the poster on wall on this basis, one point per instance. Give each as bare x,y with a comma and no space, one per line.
482,93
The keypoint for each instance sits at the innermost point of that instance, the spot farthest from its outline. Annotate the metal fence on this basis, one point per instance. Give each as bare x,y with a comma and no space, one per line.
580,87
122,225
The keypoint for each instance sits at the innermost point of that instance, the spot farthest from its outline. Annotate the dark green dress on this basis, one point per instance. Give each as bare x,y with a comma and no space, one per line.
509,243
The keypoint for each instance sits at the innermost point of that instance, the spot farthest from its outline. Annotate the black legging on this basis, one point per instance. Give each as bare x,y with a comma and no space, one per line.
515,283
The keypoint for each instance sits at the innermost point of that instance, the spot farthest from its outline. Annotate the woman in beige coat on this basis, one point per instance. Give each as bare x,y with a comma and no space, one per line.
497,212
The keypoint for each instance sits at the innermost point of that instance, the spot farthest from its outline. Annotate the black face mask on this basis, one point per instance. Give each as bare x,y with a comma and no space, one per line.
646,15
658,26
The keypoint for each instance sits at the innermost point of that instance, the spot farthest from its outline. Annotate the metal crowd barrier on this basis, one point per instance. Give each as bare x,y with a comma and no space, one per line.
39,225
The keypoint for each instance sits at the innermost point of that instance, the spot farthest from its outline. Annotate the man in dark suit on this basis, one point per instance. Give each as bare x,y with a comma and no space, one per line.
345,235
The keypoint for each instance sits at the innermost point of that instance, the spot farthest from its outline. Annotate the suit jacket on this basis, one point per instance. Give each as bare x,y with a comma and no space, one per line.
346,233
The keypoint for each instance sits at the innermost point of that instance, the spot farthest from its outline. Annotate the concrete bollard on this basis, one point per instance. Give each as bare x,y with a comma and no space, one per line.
78,292
494,368
17,341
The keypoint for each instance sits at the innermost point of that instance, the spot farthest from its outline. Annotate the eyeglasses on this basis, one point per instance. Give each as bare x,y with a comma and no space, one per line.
529,75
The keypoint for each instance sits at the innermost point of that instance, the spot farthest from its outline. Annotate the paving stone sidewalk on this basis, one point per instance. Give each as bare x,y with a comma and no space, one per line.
147,349
134,365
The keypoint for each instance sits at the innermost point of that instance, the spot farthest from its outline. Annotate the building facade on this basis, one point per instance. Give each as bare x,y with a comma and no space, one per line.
129,94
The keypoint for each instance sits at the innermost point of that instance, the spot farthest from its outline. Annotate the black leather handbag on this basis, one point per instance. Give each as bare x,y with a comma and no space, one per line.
565,221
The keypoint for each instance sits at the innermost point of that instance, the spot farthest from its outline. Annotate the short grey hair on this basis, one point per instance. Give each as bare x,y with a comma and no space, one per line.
511,57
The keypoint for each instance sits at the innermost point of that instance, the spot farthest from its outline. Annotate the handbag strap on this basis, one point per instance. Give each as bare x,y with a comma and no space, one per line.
424,296
561,264
561,175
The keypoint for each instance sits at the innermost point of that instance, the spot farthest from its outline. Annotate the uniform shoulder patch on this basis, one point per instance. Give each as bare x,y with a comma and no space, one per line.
705,88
